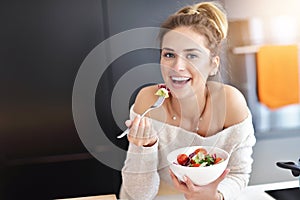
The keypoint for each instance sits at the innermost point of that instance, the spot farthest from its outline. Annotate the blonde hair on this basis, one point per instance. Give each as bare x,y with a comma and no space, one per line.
206,18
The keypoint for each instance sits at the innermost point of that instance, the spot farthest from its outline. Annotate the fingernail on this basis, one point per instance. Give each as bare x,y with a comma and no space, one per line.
127,122
184,178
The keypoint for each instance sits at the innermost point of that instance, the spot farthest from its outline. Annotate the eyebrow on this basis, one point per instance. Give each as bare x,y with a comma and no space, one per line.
194,49
186,50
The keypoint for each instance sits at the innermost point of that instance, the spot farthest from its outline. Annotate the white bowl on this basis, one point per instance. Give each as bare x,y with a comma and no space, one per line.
198,175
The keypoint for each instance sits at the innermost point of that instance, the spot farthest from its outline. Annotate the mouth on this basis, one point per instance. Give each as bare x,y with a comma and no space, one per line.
180,81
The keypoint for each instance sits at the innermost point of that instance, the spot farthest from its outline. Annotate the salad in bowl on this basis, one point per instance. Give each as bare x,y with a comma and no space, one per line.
202,164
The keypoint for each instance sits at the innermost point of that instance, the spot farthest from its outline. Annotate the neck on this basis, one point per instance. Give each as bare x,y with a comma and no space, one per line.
190,108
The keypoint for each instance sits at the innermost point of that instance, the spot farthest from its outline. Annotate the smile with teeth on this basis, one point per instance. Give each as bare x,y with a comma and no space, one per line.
180,79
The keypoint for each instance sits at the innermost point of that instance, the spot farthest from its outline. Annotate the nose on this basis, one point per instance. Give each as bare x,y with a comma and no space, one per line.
180,63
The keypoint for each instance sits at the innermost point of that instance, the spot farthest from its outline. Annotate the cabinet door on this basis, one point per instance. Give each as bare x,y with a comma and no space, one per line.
43,44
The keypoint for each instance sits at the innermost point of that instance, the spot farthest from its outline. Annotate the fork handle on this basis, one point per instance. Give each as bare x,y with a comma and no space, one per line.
123,134
146,111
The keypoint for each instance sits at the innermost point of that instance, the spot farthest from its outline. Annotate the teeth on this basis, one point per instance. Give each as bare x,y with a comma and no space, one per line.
180,78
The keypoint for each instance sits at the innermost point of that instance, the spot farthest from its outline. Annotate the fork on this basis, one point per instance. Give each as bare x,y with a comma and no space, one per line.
157,104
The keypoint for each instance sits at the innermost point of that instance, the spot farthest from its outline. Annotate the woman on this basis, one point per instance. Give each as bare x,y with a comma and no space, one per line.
198,112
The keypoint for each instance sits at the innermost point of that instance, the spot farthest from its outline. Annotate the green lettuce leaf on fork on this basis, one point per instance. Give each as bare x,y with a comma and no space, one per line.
162,92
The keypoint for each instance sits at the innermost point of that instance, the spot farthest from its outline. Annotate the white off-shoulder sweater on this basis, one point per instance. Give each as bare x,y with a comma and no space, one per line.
146,167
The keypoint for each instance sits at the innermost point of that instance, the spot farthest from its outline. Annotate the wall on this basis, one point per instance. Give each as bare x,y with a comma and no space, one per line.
261,22
272,146
261,8
43,44
278,21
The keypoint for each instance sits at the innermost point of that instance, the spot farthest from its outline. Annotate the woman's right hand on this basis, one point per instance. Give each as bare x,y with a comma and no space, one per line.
193,192
140,132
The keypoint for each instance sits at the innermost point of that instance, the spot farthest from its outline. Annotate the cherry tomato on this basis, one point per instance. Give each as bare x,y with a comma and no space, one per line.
182,159
195,165
218,159
200,150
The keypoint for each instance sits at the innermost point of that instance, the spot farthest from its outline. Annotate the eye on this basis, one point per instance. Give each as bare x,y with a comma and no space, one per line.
191,56
169,55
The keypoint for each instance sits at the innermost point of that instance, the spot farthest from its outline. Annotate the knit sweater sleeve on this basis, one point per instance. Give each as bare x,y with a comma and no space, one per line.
240,163
140,178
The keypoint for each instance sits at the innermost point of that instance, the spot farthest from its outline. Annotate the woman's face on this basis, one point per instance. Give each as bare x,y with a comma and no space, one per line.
185,61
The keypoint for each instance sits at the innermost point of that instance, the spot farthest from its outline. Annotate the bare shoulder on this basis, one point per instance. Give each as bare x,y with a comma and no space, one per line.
236,106
145,98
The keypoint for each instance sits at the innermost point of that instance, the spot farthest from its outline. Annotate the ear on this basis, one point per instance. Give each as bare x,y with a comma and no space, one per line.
215,66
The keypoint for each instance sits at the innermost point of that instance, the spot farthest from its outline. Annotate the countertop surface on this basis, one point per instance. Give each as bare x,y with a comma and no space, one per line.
256,192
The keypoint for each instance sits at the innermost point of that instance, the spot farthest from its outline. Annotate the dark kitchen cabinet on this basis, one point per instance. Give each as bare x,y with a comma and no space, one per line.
43,44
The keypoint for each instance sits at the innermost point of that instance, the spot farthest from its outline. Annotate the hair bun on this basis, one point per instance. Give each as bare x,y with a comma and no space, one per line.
188,11
216,14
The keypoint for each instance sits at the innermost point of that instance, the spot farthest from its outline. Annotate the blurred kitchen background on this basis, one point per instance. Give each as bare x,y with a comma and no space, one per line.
44,42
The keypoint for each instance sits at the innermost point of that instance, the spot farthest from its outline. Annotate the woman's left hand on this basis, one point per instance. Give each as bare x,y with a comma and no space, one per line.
194,192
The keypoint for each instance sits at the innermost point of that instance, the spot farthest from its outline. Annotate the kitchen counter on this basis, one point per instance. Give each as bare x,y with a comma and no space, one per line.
100,197
256,192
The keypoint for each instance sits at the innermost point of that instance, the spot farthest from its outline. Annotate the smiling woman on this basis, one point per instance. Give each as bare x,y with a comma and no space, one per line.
197,112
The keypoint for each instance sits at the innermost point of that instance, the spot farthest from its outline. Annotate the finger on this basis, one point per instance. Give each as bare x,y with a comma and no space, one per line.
190,185
151,133
128,123
147,129
140,131
134,126
177,184
222,177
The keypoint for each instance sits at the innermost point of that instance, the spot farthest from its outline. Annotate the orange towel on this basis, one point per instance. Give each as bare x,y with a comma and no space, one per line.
277,75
